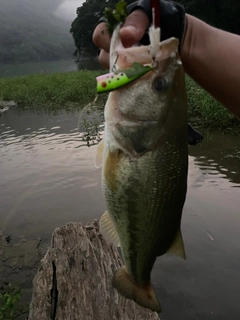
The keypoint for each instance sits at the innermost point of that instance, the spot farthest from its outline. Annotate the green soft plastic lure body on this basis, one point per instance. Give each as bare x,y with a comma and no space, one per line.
115,80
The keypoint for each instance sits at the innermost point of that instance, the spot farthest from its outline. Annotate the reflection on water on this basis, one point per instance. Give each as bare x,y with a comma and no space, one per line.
43,157
48,179
219,157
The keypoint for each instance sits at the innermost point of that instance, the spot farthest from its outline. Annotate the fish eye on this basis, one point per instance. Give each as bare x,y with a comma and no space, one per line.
161,84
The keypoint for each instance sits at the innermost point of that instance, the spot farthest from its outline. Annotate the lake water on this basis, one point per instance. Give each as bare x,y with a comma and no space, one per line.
10,70
47,178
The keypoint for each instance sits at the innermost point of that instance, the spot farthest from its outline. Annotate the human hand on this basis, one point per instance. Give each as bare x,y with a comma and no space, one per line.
131,32
172,20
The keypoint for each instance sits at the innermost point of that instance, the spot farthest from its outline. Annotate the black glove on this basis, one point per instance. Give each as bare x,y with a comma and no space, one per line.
172,18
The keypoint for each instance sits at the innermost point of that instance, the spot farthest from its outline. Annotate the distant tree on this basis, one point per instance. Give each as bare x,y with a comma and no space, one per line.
82,27
30,32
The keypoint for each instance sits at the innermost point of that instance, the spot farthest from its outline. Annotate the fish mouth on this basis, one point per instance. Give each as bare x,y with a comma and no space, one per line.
156,51
121,57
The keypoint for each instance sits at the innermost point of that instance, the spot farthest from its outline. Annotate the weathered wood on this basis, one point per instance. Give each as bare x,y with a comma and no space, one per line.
74,279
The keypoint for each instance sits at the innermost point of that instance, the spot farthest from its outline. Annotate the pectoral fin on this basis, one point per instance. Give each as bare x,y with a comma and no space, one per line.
177,247
108,229
99,155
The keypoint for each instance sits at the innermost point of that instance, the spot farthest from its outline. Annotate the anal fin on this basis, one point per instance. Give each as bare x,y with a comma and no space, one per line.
144,295
177,247
108,229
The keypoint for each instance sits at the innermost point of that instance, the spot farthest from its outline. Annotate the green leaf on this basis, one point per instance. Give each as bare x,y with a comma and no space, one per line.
121,7
115,16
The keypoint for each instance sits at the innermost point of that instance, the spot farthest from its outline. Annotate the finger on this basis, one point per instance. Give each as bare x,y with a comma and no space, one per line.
101,37
134,28
104,59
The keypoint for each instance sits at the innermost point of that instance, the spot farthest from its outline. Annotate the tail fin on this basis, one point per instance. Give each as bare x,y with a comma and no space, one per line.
142,295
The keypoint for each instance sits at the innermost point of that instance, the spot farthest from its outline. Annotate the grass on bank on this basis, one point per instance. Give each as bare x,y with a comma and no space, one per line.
76,89
10,304
204,110
50,91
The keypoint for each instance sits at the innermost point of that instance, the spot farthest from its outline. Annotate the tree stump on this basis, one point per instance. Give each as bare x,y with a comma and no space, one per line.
74,279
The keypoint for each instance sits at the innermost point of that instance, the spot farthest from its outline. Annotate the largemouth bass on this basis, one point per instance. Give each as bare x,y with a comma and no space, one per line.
144,161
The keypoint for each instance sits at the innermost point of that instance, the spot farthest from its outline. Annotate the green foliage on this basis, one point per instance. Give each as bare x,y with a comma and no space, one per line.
115,16
76,89
205,110
51,91
10,306
30,32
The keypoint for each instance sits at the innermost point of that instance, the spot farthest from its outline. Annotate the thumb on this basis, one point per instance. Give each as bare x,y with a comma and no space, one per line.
134,28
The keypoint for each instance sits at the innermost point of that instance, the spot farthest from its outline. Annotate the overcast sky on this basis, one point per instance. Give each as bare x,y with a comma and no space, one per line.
67,10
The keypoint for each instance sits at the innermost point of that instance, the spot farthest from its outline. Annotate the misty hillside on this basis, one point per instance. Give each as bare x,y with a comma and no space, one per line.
29,31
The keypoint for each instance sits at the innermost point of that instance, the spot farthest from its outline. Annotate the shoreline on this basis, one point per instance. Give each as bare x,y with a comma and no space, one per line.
74,90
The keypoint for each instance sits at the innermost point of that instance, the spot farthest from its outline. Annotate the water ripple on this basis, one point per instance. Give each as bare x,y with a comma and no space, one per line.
47,165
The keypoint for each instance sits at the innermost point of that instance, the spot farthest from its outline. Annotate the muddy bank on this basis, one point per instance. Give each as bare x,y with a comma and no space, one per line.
19,262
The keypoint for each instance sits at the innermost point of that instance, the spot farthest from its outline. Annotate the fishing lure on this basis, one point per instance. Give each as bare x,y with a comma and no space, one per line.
115,80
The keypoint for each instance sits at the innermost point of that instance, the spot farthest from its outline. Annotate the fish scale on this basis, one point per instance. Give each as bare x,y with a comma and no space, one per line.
120,204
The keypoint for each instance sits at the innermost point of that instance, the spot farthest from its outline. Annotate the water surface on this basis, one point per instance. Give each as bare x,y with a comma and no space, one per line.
12,70
48,179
